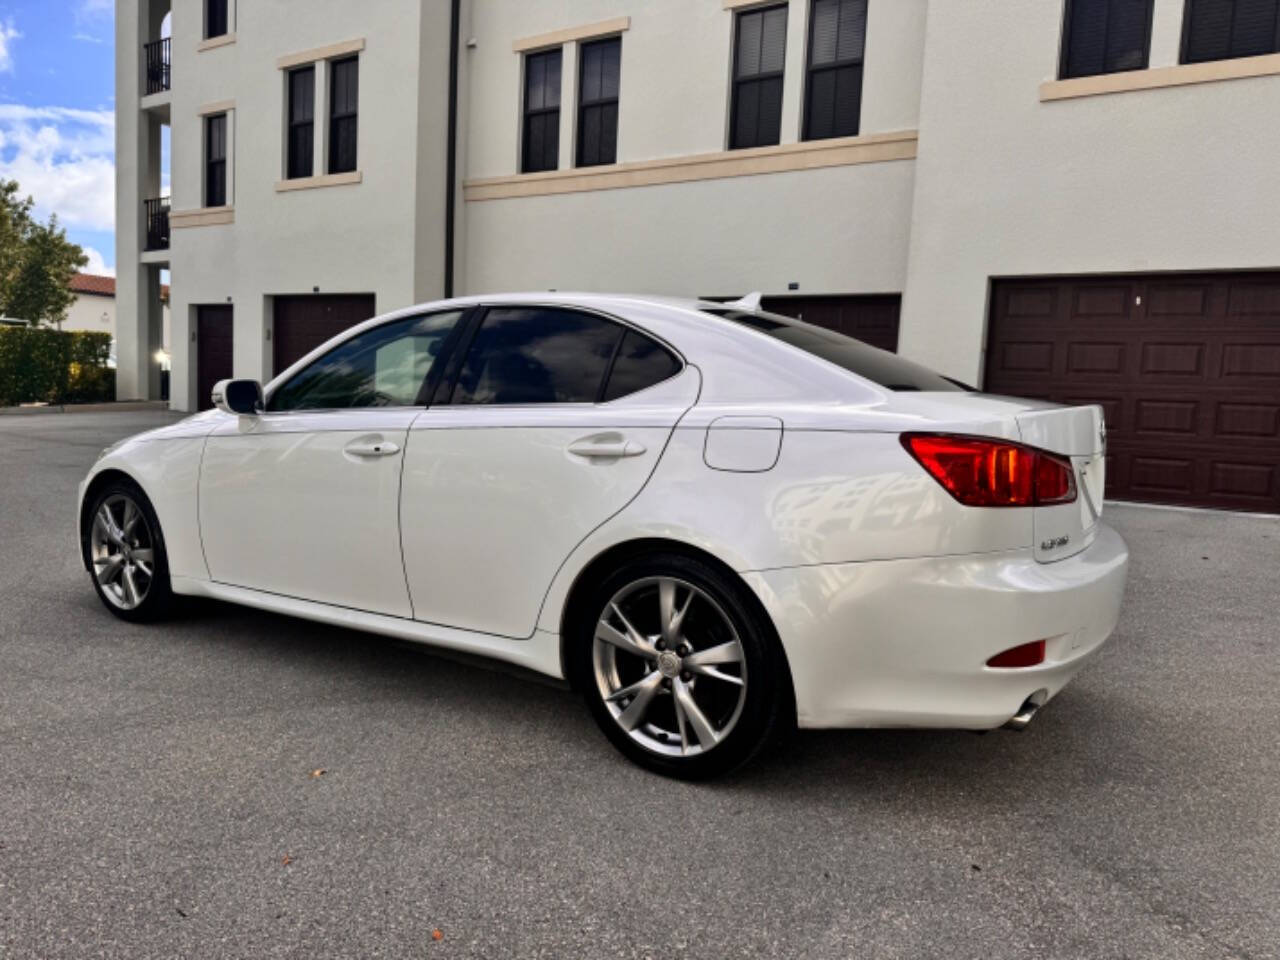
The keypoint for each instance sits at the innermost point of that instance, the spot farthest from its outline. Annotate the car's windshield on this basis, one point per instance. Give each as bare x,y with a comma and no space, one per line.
881,367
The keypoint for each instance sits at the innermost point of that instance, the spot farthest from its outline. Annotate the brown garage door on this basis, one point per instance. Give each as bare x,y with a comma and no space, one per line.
871,319
303,323
1187,368
213,351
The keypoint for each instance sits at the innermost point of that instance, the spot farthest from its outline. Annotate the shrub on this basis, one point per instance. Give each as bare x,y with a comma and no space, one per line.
42,365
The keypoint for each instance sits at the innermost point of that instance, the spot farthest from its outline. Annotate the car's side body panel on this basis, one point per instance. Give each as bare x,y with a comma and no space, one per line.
300,504
495,497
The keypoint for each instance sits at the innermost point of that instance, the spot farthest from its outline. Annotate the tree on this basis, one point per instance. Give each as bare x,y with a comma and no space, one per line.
37,262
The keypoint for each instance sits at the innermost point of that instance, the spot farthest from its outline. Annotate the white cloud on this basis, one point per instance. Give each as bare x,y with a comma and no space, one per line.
64,158
8,34
86,38
97,263
92,9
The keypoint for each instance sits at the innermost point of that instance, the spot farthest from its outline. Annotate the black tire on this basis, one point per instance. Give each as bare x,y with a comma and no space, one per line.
158,598
764,710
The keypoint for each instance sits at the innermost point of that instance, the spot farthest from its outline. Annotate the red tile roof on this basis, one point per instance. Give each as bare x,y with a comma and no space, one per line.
92,283
99,286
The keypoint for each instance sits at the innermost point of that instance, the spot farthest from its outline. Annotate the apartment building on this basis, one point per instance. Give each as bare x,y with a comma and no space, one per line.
1068,199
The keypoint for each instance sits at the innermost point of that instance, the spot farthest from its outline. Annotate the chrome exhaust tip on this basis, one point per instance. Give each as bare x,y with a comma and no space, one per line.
1027,712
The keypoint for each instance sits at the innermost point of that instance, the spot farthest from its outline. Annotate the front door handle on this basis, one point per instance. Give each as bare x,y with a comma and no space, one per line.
606,446
372,448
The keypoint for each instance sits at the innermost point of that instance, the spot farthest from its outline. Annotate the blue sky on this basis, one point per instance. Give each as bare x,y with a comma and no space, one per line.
57,114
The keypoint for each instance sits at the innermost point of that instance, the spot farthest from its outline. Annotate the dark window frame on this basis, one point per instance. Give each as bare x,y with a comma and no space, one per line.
738,82
442,393
295,167
335,163
600,103
212,29
1184,48
528,113
1064,51
215,167
810,71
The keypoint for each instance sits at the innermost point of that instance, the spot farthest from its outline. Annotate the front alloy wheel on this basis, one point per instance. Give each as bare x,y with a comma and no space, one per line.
125,553
680,667
122,550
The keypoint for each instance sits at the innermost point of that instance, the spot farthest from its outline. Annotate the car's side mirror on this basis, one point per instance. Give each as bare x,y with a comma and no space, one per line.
243,397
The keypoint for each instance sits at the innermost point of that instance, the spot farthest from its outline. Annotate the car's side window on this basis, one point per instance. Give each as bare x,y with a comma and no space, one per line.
641,363
537,355
382,367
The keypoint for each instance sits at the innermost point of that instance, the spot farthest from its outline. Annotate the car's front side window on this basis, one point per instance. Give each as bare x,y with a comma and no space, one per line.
382,367
537,355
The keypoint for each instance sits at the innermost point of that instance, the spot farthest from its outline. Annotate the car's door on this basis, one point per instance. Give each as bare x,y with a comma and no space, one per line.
303,500
551,422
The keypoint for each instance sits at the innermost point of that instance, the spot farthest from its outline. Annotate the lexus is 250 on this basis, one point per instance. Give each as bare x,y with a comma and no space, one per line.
714,522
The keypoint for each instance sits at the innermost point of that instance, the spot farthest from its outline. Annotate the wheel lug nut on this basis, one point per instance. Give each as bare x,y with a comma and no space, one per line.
660,645
686,676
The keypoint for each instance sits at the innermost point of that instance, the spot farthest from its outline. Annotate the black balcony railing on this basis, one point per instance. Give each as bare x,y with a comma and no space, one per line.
157,65
157,223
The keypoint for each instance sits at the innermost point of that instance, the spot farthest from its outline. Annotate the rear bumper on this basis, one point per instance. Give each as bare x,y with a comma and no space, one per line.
904,643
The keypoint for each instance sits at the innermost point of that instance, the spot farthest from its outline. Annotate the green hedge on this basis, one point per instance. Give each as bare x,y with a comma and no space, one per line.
41,365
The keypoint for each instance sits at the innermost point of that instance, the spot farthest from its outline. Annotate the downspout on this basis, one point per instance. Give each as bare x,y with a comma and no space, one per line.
451,165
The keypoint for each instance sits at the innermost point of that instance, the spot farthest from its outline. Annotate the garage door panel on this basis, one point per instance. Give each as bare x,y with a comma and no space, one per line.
1186,369
1254,299
1031,303
1173,359
1248,420
1255,360
1095,358
1171,302
1163,474
1111,301
1254,481
1167,416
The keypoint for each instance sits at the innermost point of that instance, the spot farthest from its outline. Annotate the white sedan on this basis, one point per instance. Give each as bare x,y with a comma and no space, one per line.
714,522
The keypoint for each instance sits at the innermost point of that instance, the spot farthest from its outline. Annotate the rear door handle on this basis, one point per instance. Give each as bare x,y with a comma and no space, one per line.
606,447
372,448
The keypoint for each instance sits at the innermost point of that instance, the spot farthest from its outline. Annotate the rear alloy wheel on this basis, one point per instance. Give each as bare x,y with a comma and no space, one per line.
126,554
682,675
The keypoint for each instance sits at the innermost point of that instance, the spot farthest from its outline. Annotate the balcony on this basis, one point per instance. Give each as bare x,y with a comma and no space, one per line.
157,58
157,212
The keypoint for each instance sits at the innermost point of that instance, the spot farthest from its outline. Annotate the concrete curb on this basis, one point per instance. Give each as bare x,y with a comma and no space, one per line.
124,406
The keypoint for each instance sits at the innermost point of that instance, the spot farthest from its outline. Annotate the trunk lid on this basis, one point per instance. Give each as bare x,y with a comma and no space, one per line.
1077,433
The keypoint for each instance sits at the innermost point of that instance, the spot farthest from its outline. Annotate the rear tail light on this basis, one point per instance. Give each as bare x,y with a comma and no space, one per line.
985,472
1027,655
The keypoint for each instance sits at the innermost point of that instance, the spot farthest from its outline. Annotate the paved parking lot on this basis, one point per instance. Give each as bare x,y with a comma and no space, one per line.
158,796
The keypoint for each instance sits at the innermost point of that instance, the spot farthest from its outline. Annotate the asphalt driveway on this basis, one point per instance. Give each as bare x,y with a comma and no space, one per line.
159,794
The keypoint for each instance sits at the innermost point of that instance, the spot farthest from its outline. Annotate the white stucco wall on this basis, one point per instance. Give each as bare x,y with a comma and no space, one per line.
842,229
1181,178
353,238
836,230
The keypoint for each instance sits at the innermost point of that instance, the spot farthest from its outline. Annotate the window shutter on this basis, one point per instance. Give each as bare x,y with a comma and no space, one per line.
1106,36
833,106
759,60
1224,29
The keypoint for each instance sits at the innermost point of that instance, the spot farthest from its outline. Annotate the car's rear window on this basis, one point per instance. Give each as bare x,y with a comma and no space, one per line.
881,367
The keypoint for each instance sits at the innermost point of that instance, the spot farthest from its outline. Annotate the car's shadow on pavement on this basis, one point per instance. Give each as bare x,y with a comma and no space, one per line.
1060,751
